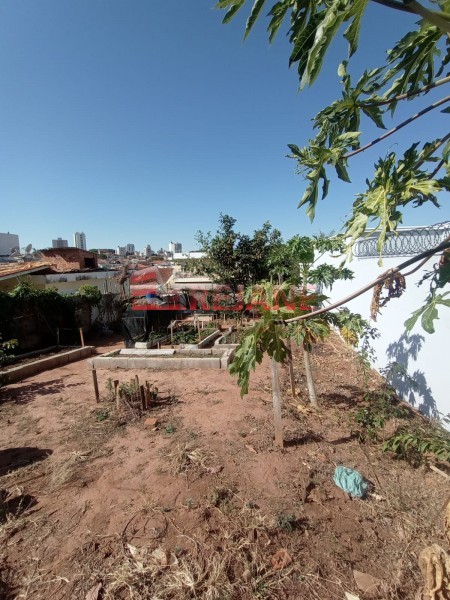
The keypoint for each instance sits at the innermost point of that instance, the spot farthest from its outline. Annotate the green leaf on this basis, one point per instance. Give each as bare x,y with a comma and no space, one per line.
342,171
256,9
428,313
375,114
236,5
352,33
330,21
278,12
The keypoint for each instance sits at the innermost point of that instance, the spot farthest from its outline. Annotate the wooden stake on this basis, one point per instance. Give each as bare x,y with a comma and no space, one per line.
94,378
148,397
143,400
81,337
148,394
117,393
276,397
57,336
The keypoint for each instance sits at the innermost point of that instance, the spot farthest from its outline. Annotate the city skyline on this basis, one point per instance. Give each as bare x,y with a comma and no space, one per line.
138,147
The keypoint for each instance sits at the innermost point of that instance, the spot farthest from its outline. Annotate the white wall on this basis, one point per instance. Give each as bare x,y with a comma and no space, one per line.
423,355
8,241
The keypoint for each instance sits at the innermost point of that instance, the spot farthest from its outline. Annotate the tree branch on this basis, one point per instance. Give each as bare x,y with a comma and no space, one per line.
398,127
430,151
436,170
431,16
414,7
423,90
442,246
396,5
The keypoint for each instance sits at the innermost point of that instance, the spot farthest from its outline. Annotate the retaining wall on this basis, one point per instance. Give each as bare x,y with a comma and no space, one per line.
165,359
20,372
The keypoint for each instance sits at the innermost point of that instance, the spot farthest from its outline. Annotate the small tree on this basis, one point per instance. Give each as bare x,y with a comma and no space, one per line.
236,259
279,303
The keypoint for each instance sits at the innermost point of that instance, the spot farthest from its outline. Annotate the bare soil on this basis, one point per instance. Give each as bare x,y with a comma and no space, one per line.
203,505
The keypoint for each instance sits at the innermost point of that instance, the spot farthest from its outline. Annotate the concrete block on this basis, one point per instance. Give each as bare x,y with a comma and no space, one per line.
141,345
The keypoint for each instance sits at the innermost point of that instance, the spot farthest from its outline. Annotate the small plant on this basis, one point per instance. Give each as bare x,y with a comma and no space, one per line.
190,503
413,445
221,498
170,429
102,415
285,522
5,351
382,406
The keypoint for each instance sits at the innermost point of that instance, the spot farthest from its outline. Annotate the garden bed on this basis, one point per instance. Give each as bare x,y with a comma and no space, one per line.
169,358
231,338
30,366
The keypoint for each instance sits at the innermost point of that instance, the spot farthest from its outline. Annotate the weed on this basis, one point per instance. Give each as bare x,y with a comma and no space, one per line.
102,414
285,522
221,498
190,503
414,444
170,429
382,406
215,401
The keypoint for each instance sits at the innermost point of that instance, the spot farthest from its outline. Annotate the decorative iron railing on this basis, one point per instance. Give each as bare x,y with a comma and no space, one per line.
406,242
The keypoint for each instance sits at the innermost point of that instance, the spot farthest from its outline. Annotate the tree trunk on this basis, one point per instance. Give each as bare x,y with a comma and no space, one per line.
276,397
309,378
291,368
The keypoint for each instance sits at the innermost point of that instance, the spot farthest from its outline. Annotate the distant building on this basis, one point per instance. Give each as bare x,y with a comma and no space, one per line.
191,254
130,249
59,243
70,259
79,240
175,247
147,251
121,250
8,241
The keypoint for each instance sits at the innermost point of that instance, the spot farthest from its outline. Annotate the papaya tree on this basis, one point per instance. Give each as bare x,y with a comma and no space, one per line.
270,335
404,175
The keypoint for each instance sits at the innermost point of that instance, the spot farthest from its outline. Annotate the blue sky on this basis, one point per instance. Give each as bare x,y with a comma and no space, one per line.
140,121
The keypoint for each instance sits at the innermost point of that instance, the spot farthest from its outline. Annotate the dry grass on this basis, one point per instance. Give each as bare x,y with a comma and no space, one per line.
67,470
184,457
234,564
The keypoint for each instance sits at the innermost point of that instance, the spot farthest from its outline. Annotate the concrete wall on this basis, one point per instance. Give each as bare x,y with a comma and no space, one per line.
8,241
423,355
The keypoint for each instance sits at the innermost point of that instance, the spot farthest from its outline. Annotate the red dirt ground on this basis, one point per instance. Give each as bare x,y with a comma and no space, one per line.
200,505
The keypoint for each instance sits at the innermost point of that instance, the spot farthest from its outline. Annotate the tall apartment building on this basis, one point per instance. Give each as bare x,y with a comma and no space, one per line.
8,241
79,240
175,247
130,248
147,251
59,243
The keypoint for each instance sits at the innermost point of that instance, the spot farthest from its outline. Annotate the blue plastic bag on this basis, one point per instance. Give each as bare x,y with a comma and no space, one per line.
350,481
